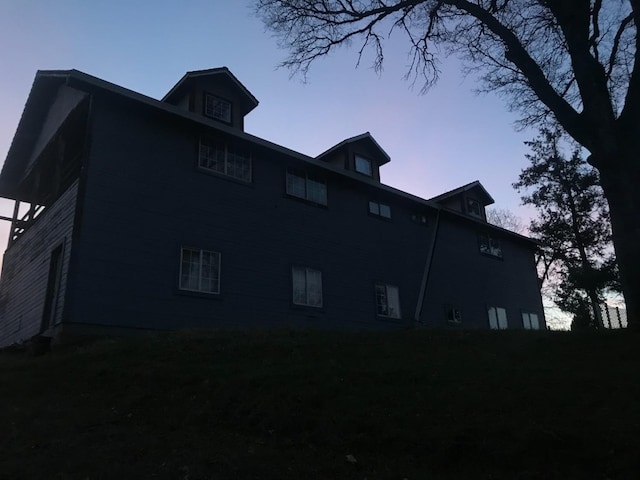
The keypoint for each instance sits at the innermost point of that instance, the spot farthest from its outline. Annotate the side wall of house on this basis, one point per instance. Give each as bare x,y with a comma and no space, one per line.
25,271
145,199
471,282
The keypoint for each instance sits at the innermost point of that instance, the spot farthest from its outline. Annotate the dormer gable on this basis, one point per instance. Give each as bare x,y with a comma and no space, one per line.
360,154
215,93
470,199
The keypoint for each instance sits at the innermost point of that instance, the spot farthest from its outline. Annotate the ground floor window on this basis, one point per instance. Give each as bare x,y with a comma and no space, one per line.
530,321
199,270
387,300
497,318
307,286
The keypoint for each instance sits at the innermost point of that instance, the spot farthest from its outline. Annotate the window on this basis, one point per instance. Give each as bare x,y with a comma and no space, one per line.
489,245
387,301
473,208
307,286
497,318
363,165
419,218
217,156
453,315
307,186
530,321
217,108
380,209
199,270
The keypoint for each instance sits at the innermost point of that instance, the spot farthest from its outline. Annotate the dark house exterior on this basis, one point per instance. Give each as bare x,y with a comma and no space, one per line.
135,214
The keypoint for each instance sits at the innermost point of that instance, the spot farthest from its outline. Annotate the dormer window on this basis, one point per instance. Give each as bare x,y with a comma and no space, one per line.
473,208
217,108
363,165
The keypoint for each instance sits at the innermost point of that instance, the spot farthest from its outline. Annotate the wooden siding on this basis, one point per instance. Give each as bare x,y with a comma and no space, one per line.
470,281
25,271
145,199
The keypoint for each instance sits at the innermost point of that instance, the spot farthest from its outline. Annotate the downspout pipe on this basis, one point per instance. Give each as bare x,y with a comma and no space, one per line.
427,268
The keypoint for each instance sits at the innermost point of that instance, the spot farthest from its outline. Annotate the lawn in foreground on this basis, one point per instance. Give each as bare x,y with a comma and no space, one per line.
296,405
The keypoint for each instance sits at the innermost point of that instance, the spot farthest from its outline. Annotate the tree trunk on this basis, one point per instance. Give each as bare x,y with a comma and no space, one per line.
621,184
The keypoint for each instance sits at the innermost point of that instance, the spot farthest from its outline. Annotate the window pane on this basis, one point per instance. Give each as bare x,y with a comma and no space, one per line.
363,165
295,184
316,191
381,300
212,155
314,288
298,275
526,322
502,318
374,208
385,210
200,271
217,108
393,301
493,318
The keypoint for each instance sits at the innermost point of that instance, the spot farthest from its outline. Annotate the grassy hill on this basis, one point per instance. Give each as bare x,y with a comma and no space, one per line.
315,405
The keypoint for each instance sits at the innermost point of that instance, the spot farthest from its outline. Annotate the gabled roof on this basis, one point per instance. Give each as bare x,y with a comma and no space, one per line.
250,103
365,138
476,186
47,82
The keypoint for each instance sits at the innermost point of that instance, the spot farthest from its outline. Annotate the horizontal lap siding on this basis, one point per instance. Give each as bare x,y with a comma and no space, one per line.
470,281
144,199
25,271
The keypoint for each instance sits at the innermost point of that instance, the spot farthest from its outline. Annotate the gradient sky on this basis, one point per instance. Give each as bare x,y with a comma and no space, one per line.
436,141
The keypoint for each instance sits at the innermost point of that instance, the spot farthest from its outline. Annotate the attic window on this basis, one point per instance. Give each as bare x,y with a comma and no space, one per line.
363,165
217,108
473,208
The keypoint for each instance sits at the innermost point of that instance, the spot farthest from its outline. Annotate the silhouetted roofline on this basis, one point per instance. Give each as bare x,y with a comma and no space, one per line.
465,188
358,138
252,101
44,78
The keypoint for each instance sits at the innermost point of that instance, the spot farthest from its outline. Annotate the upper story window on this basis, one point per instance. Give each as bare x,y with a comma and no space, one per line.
199,270
380,209
307,186
387,300
489,245
217,156
474,208
217,108
363,165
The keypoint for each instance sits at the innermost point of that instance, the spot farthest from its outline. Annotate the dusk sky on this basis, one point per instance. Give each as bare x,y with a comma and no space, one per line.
436,142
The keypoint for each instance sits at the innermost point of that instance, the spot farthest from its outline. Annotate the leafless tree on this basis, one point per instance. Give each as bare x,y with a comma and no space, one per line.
573,61
505,218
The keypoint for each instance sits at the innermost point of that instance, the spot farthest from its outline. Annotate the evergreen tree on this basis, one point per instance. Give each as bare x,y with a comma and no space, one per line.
572,226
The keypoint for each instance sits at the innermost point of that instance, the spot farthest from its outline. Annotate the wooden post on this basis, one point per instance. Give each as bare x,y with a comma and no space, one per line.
14,220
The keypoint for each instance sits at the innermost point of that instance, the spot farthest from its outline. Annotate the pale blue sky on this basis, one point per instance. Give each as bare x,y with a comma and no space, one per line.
437,142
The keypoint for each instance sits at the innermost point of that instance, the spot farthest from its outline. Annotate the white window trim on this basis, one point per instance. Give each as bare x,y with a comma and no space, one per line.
199,289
